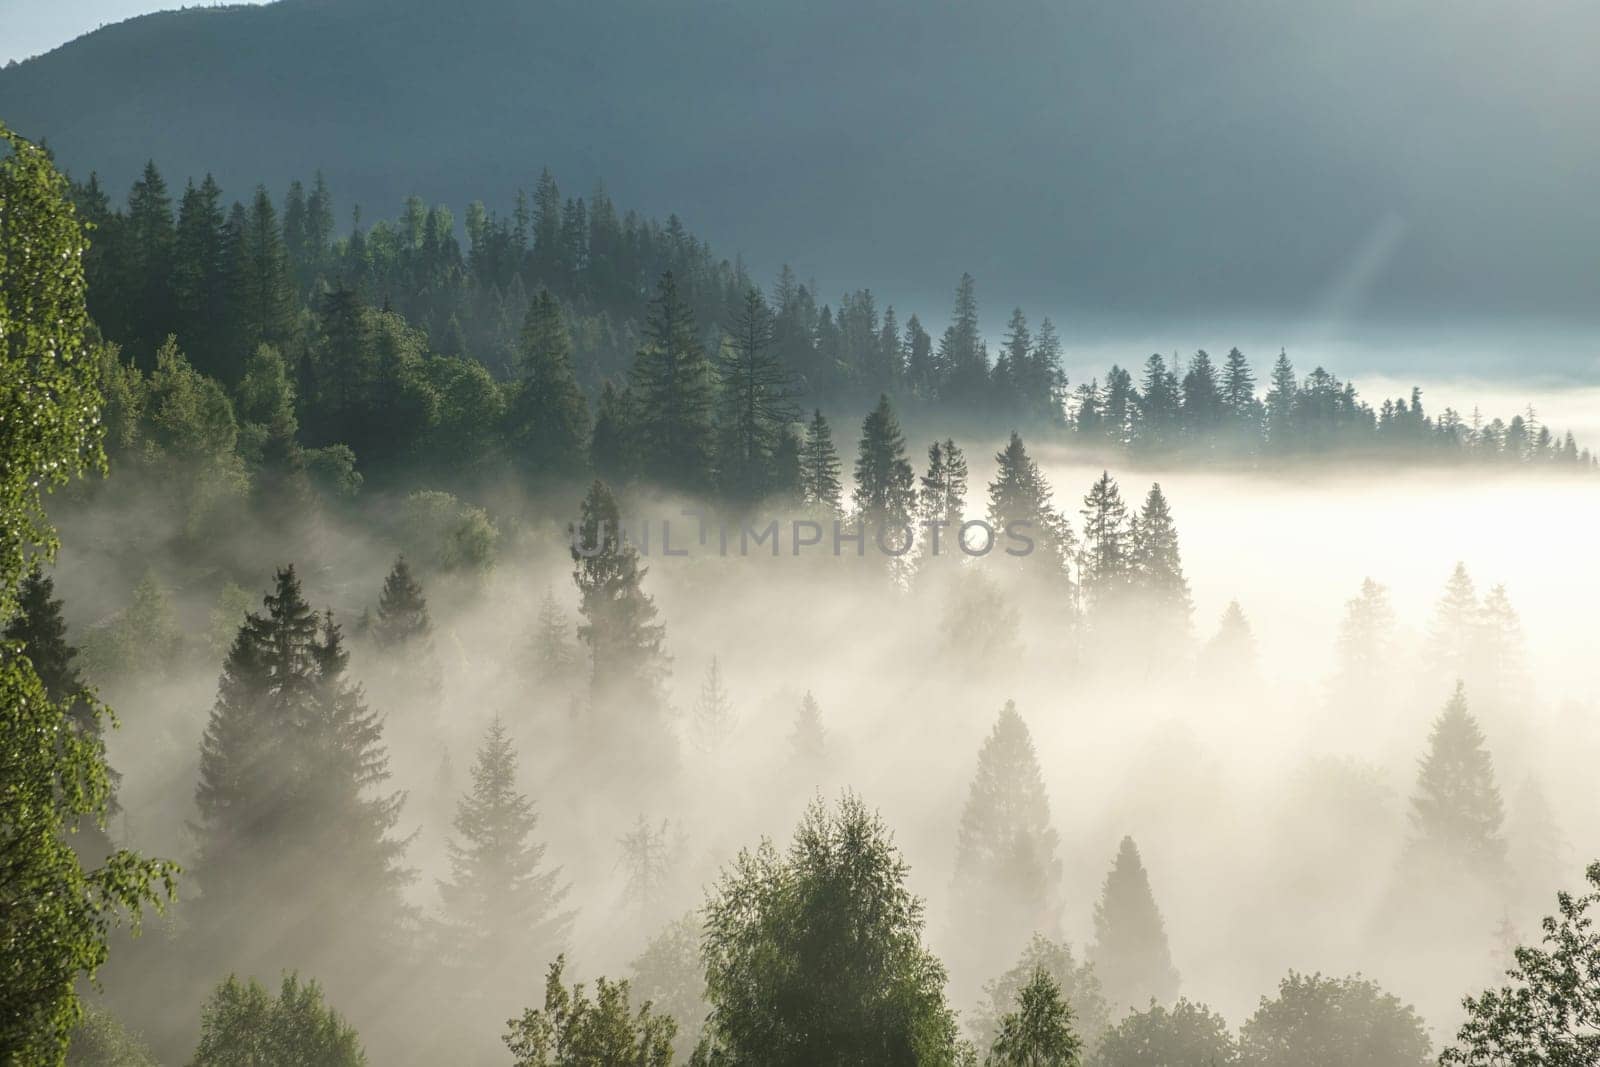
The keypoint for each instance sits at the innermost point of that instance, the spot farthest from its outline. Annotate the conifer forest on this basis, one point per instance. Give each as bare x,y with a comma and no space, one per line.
521,627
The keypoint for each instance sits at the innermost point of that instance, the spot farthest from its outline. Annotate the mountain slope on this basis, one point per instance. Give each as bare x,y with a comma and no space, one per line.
1146,157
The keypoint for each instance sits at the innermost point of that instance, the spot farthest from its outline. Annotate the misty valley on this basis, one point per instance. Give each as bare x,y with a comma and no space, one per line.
517,633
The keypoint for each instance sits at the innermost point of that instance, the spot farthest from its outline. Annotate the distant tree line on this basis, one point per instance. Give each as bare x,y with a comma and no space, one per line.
570,338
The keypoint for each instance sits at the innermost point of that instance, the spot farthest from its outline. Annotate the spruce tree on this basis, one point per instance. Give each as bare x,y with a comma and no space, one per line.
503,904
819,468
402,621
290,798
1201,401
1019,498
961,364
619,626
1365,648
149,235
612,445
549,415
713,712
199,277
554,658
1106,573
1157,576
1454,632
755,402
1130,952
1280,407
1046,383
1075,981
1231,652
1456,811
674,385
263,292
808,743
41,631
884,495
1006,863
1239,397
943,498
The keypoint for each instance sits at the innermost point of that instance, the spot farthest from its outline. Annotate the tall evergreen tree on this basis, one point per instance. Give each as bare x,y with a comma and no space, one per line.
263,294
756,406
1366,637
199,277
1019,498
673,384
1130,949
1280,406
402,621
1159,406
554,658
291,771
1107,569
1456,812
149,241
713,712
1157,565
1454,632
612,449
943,497
1006,863
549,415
962,364
819,468
1201,401
884,494
40,630
808,742
503,904
619,626
1038,1033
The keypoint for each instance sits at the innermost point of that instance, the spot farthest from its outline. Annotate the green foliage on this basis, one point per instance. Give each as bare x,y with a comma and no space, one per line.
1106,571
755,409
618,615
884,494
549,415
1548,1013
1038,1033
674,385
100,1040
668,975
402,619
1074,981
573,1031
1020,495
446,534
1184,1035
242,1025
55,916
144,637
815,956
819,469
1332,1022
40,630
49,401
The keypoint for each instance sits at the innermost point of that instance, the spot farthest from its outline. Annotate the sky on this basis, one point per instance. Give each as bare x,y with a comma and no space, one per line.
31,27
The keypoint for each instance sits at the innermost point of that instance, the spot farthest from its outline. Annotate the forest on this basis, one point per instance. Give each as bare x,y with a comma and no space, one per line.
442,764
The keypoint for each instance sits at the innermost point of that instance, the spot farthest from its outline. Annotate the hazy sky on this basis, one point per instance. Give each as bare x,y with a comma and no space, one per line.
29,27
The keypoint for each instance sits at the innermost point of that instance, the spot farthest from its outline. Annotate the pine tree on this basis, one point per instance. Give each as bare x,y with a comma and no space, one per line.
884,495
1366,636
1231,652
549,414
962,365
1239,393
819,468
619,624
402,621
42,632
1006,863
1202,402
1107,569
1280,407
943,498
713,713
503,905
291,768
1456,812
263,293
756,406
1158,407
1130,950
1046,383
673,385
199,277
149,236
554,657
1454,632
1157,566
808,743
1019,499
612,450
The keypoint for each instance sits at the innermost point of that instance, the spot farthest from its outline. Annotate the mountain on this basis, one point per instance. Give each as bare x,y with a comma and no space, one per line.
1400,159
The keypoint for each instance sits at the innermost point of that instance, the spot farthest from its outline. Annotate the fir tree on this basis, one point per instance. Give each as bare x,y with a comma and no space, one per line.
819,468
673,384
549,414
611,446
1157,567
756,406
713,712
402,621
1130,950
1231,652
619,626
553,655
884,495
942,504
1456,812
808,743
290,768
1006,863
1107,569
1019,499
263,293
1366,637
42,632
1454,632
1075,980
503,904
1280,407
1239,392
962,364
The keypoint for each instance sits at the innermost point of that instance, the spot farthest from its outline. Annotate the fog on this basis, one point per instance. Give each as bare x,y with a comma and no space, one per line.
1270,814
